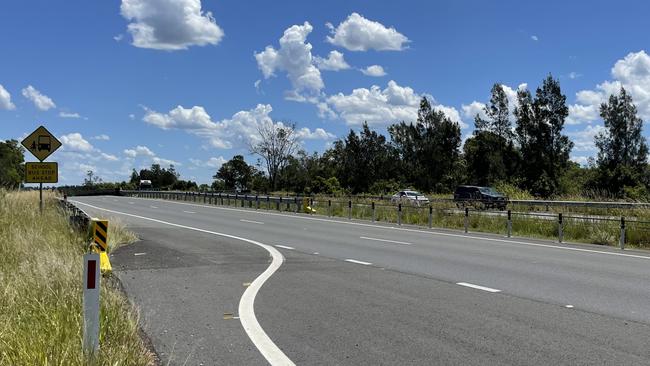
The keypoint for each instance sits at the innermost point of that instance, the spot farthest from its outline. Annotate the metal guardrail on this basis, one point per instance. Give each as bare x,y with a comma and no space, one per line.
402,214
79,219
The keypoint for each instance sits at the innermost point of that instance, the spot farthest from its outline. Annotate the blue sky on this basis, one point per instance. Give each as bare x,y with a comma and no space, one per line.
124,84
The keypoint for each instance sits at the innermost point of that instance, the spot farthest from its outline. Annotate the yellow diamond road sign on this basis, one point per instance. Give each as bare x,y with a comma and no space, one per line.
41,172
41,143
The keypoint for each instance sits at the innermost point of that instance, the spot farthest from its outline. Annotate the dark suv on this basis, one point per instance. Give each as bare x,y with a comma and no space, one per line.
482,197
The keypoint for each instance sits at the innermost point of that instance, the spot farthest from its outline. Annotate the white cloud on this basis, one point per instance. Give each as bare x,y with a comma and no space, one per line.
469,111
41,101
179,117
295,58
102,137
334,62
139,151
318,134
170,24
633,73
380,107
69,115
374,70
76,143
5,99
162,161
109,157
583,140
357,33
534,38
213,162
131,116
574,75
118,37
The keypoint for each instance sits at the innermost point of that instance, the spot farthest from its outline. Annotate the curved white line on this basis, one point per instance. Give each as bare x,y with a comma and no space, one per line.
260,339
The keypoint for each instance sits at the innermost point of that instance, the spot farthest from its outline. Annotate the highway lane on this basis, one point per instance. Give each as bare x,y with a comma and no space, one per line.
607,281
311,294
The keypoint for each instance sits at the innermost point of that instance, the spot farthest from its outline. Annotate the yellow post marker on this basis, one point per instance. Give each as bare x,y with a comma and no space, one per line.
100,239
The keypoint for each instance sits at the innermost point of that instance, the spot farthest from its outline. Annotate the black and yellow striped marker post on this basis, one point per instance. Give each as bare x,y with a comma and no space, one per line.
100,239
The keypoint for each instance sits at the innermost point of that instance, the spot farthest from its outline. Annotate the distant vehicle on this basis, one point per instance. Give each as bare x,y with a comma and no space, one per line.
414,198
481,197
144,184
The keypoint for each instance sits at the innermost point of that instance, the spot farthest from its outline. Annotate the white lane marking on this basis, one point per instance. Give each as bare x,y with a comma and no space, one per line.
130,203
420,231
189,212
153,206
139,253
316,253
260,339
252,222
568,306
358,262
488,289
385,240
285,247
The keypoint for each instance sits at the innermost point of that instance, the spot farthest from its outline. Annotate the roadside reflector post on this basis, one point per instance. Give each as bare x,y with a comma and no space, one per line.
399,214
91,280
373,211
430,216
288,204
466,219
349,209
509,225
622,240
329,208
560,233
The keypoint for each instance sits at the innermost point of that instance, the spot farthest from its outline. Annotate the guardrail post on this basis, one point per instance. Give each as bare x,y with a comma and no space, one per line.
399,214
278,204
509,223
329,208
257,202
295,200
430,216
466,219
373,211
349,209
622,240
268,202
205,197
288,205
560,231
245,199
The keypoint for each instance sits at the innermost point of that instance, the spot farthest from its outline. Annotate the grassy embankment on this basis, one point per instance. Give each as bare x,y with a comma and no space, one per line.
41,291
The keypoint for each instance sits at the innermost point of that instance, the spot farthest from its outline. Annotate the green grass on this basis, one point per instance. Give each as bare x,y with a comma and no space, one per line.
41,291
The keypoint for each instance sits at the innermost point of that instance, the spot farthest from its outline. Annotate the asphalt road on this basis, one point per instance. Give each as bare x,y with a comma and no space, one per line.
354,293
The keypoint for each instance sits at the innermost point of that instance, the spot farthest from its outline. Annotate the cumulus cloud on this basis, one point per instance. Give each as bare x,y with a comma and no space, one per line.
170,24
76,143
109,157
139,151
357,33
293,57
633,73
574,75
102,137
213,162
239,130
380,107
583,140
5,99
69,115
469,111
41,101
334,62
317,134
374,70
162,161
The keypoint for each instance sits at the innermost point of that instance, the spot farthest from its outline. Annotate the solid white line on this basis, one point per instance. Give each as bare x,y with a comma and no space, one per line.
385,240
421,231
358,262
153,206
139,253
260,339
568,306
252,222
189,212
488,289
285,247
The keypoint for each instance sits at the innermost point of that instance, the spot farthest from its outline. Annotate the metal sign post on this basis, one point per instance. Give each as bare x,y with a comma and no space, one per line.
91,304
41,143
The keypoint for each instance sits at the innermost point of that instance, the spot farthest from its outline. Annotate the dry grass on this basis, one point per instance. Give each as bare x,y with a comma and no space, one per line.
41,295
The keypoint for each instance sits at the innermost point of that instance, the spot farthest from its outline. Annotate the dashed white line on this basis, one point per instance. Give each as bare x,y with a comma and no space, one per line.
189,212
316,253
488,289
252,222
139,253
285,247
568,306
358,262
385,240
153,206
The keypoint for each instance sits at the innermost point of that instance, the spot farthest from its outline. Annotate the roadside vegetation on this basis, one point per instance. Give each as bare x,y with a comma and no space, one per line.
41,290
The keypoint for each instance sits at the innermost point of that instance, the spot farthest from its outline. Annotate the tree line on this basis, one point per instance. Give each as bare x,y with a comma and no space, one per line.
523,147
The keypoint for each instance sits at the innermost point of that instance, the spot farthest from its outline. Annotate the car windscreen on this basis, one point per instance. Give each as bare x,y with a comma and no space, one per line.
413,194
490,191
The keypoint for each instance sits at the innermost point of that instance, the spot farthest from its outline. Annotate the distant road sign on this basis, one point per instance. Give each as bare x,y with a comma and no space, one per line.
41,172
41,143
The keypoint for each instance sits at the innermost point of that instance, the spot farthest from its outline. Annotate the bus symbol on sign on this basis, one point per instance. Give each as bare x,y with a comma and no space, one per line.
41,143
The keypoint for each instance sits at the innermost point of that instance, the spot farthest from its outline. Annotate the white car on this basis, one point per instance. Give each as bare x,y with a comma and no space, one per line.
414,198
